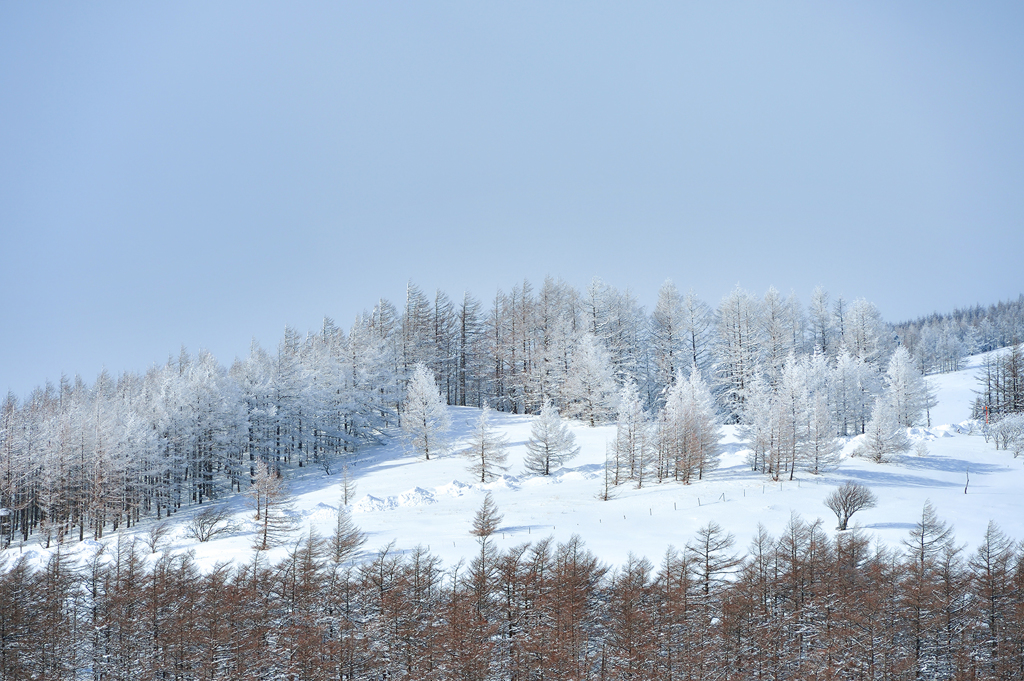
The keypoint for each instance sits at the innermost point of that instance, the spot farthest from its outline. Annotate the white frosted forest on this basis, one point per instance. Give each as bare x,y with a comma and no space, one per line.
589,391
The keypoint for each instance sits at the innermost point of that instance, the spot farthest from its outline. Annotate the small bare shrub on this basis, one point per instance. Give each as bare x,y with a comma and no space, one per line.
156,534
210,523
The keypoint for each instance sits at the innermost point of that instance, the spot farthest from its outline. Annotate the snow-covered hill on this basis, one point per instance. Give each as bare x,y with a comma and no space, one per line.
404,499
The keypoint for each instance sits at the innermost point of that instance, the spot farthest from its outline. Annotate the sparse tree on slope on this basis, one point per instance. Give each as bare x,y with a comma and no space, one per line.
348,486
712,556
551,442
425,420
487,450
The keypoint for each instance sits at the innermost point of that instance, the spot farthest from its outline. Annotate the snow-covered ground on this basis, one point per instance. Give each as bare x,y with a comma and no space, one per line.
402,498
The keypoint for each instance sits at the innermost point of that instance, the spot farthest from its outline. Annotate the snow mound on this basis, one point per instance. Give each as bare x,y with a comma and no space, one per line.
921,433
417,496
321,511
506,481
371,504
577,475
454,488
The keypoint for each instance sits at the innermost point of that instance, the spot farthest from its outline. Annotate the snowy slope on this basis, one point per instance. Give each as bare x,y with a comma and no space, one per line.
410,501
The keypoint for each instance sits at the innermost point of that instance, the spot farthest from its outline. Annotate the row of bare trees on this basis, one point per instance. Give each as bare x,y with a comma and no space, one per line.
803,605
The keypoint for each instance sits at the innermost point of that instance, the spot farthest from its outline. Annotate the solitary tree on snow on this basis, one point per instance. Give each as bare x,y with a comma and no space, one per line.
551,442
487,450
847,499
425,420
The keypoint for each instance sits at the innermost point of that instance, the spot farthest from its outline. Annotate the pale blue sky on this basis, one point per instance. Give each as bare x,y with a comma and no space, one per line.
204,173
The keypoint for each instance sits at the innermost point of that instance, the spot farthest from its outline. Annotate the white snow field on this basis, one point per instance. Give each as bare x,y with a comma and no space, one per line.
404,499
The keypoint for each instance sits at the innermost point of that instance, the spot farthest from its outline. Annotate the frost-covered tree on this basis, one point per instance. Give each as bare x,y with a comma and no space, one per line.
425,419
884,437
624,335
269,499
612,471
854,384
738,349
488,449
590,387
688,429
373,388
289,384
551,442
865,334
757,429
668,338
470,355
791,414
821,447
777,334
417,329
820,320
697,328
907,389
633,445
554,335
1008,433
